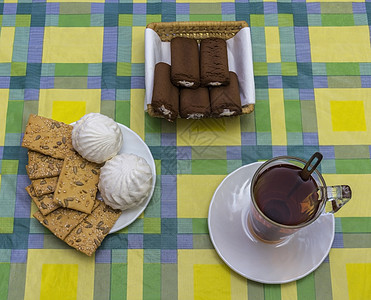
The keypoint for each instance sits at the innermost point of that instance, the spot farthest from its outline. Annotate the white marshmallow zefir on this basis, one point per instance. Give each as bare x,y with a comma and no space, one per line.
97,137
125,181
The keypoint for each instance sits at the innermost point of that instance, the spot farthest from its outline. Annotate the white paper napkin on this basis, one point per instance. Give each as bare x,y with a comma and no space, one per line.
239,61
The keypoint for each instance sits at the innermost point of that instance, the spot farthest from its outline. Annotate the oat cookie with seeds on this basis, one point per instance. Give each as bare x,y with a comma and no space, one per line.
42,166
44,186
77,184
48,136
89,234
61,221
44,203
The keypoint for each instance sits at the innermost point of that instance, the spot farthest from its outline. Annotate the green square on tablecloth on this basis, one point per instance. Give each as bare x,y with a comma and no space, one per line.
337,20
351,69
353,166
151,225
153,18
285,20
293,115
69,69
257,20
18,69
4,280
14,115
6,225
23,20
262,116
123,69
260,69
289,69
125,20
82,20
123,112
211,166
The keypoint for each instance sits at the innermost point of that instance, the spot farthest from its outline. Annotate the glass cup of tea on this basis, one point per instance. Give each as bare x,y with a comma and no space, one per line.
283,202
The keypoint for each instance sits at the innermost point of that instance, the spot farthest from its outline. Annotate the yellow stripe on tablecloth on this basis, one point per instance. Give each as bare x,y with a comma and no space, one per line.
59,281
193,197
137,111
340,44
277,114
4,95
49,263
350,268
47,98
289,291
135,274
137,44
238,287
6,44
335,1
73,45
328,135
211,282
273,46
206,266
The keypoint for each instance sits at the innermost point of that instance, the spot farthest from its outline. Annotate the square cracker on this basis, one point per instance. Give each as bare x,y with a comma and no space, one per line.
44,186
89,234
44,203
48,136
77,184
61,221
42,166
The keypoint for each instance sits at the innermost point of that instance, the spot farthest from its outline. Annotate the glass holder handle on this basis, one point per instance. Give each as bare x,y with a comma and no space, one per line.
339,195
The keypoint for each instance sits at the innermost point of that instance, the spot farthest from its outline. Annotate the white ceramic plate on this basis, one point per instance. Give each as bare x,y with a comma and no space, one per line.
258,261
132,143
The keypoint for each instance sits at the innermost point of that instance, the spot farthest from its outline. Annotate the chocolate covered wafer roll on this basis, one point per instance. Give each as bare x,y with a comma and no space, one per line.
165,97
225,100
194,103
214,62
185,65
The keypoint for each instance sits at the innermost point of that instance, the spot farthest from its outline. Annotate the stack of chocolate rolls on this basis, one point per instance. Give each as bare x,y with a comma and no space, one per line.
198,84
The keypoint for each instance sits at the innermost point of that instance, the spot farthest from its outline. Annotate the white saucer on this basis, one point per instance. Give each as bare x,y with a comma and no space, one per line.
255,260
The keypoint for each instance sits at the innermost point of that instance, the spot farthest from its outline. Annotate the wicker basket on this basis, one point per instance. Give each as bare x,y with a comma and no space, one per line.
197,30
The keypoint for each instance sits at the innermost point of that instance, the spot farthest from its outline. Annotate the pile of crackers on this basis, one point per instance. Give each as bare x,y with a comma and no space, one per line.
64,186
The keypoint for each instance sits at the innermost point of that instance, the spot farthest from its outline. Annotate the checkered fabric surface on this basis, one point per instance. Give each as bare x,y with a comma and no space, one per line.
63,59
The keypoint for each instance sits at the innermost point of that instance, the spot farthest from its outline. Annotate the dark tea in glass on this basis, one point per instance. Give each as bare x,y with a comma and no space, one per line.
284,197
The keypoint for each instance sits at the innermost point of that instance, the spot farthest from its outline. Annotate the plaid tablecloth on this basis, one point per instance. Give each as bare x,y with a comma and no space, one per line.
63,59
